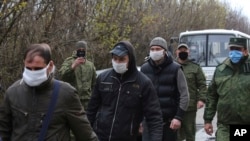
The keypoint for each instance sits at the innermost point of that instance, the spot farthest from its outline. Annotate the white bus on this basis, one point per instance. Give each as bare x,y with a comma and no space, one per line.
209,47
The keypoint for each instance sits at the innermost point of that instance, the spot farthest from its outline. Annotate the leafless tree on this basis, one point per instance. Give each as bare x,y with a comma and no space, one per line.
102,23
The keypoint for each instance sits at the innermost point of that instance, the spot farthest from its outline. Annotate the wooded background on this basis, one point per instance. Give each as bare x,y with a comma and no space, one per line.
102,23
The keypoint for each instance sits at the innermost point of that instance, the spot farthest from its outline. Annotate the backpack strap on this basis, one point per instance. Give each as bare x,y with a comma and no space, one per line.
48,116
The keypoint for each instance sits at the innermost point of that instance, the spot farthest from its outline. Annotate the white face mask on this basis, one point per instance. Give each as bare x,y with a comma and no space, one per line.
119,67
35,78
156,55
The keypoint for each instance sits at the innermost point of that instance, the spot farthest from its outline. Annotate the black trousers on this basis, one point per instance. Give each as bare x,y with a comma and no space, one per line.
139,138
168,133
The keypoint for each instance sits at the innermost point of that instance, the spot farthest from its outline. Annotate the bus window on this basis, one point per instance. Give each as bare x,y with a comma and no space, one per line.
197,54
197,45
209,47
217,49
248,44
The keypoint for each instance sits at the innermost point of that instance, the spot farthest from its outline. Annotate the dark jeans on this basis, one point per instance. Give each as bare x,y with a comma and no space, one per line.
168,134
139,138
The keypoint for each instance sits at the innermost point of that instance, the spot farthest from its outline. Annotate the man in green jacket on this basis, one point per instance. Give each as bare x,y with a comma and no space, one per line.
79,72
229,93
196,82
24,111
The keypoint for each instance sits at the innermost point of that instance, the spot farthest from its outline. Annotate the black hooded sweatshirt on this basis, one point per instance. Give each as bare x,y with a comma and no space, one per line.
119,103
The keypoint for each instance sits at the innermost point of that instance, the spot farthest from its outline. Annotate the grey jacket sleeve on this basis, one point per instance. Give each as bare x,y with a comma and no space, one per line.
184,95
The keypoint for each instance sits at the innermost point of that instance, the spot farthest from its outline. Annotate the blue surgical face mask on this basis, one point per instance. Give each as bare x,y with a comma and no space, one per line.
235,56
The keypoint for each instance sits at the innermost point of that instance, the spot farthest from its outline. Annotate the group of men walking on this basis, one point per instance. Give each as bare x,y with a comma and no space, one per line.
159,102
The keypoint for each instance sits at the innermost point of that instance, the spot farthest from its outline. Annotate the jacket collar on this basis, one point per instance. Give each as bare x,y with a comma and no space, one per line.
48,84
127,76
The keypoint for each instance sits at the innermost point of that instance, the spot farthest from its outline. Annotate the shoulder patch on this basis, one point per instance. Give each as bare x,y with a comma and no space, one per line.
221,67
195,63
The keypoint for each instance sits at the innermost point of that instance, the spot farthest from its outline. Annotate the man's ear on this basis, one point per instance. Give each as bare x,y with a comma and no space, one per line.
245,52
51,66
176,52
188,51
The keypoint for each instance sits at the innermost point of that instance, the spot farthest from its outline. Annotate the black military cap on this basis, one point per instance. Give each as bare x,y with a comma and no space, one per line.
119,50
237,42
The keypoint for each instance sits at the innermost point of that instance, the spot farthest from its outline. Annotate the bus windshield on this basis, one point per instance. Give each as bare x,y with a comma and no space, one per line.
209,47
214,47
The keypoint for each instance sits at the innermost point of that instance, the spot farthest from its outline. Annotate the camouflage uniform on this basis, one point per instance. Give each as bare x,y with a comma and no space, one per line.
228,94
196,82
82,78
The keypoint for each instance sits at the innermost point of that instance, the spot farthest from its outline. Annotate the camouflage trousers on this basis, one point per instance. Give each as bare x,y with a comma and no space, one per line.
223,132
188,127
85,103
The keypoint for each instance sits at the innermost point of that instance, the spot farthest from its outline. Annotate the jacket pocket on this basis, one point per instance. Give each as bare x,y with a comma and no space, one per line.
225,84
106,90
132,99
132,128
190,77
20,116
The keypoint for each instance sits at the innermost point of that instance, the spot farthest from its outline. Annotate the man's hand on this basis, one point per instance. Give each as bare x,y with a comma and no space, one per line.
175,124
77,62
140,129
200,104
209,128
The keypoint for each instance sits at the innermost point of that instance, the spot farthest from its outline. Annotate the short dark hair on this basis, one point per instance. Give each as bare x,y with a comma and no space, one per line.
42,50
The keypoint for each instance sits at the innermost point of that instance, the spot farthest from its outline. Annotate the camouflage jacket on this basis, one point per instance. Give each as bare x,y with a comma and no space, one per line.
229,94
196,82
82,78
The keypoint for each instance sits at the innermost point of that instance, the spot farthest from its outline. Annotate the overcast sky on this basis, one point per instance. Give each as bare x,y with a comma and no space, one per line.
243,5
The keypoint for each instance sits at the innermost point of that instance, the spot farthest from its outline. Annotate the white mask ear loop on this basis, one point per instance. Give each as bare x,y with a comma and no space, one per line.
52,72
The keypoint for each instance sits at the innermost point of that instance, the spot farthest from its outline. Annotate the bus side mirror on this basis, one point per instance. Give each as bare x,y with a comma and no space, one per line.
174,39
171,41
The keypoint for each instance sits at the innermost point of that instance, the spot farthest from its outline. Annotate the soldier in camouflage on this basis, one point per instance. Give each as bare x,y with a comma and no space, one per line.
229,91
79,72
196,82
